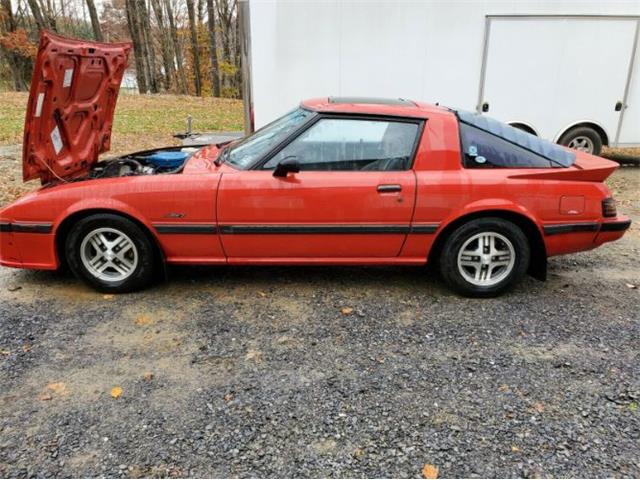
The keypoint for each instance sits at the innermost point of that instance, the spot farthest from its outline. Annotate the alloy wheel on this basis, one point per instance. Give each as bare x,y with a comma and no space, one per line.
486,259
582,143
109,254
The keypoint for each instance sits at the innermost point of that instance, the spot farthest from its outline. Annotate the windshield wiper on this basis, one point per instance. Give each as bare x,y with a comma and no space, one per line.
222,144
223,154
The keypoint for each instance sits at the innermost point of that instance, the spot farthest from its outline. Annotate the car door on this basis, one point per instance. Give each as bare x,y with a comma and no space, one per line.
352,198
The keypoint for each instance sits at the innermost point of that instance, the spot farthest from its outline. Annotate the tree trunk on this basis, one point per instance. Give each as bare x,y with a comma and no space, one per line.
95,23
177,48
238,52
134,33
215,68
16,63
200,11
49,16
147,43
194,47
165,45
37,14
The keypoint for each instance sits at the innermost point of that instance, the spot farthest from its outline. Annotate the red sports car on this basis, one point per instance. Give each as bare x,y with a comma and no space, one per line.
335,181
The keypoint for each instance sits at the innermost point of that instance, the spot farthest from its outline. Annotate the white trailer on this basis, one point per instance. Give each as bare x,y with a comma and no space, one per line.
565,70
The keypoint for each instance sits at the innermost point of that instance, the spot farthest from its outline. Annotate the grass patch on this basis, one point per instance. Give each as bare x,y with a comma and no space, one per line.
140,121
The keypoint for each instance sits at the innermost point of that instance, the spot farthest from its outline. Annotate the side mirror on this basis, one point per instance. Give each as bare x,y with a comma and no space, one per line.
286,166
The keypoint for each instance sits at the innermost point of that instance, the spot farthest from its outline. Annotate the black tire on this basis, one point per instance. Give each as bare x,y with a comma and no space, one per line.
452,273
583,133
145,265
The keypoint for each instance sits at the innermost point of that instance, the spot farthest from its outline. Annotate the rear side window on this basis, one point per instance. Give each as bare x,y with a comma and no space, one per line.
481,149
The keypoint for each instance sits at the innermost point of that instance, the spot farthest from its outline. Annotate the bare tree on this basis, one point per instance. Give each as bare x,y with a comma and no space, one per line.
215,68
165,45
95,23
200,10
133,23
225,13
177,48
194,47
16,63
36,11
147,46
49,15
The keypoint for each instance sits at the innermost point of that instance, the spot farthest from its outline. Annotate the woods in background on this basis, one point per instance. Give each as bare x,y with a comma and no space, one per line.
179,46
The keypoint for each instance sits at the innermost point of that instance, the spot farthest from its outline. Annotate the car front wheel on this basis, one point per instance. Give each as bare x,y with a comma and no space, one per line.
110,253
485,257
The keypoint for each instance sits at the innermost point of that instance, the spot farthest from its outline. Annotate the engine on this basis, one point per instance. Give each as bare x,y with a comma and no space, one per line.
150,162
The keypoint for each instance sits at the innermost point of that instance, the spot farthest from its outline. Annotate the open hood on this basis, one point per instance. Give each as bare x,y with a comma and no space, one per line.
71,103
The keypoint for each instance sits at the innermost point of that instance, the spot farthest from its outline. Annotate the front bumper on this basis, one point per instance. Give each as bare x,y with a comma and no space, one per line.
27,245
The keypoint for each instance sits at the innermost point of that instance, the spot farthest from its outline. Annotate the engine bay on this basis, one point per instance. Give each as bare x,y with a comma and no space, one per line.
163,161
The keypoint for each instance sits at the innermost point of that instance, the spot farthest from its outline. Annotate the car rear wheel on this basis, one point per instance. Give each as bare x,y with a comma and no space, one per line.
110,253
485,257
584,139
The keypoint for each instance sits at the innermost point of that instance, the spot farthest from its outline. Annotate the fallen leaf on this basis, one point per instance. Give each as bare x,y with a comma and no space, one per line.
429,471
45,397
346,310
284,339
538,407
254,355
116,392
358,453
58,388
631,285
503,388
515,449
5,352
26,348
148,376
108,296
142,320
228,397
633,406
262,294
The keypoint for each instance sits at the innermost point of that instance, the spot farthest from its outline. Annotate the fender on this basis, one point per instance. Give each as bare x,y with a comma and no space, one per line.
489,204
499,207
113,205
566,128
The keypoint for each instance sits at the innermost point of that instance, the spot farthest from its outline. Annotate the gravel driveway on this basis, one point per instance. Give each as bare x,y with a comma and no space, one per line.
333,372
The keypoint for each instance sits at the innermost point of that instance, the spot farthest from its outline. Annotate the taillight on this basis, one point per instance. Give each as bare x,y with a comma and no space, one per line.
609,207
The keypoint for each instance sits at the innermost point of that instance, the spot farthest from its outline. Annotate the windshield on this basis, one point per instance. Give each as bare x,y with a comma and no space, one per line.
244,154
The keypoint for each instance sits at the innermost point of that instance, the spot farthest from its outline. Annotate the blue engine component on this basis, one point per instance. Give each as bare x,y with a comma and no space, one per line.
170,159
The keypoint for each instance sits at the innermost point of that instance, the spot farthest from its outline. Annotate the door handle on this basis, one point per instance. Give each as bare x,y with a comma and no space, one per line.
389,188
485,107
618,106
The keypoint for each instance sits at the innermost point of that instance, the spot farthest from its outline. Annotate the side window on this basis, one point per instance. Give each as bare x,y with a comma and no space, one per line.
484,150
336,144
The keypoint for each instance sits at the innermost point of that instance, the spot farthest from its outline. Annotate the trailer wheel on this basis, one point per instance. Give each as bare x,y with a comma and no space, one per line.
584,139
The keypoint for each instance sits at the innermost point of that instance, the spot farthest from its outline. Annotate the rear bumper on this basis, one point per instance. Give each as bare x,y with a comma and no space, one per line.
561,238
615,226
612,230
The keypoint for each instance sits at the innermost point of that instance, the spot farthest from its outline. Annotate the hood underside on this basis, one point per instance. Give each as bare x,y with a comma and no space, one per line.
71,104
